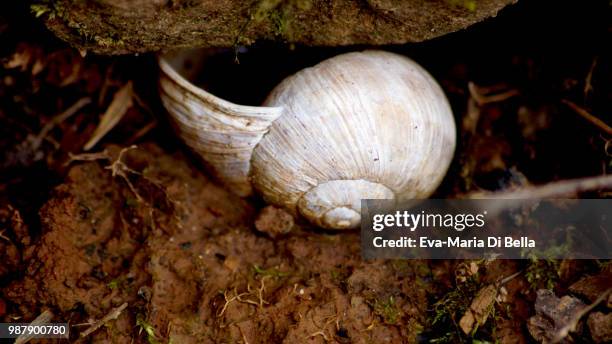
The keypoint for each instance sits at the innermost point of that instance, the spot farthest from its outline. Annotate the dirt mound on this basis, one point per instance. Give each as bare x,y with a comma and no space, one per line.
184,255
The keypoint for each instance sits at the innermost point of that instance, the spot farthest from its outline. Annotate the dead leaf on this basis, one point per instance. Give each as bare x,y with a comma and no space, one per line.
20,59
122,101
73,75
27,57
591,287
479,310
473,268
503,295
38,67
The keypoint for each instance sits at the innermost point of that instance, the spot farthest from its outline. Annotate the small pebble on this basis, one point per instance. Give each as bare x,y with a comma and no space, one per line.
274,221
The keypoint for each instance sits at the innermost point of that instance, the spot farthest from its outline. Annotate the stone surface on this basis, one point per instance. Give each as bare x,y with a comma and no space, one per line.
600,326
274,221
552,314
130,26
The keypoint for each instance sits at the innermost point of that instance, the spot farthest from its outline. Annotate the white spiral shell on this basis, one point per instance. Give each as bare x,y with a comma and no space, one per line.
362,125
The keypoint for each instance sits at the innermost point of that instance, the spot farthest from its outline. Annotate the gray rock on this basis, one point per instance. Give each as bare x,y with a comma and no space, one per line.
600,326
552,314
130,26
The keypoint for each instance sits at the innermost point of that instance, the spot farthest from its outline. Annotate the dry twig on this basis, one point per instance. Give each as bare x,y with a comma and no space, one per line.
142,132
103,155
44,318
2,236
112,315
483,95
560,189
589,117
69,112
588,86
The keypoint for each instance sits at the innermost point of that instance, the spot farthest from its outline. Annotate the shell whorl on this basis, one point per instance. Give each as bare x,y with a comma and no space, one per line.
337,203
372,116
361,125
222,133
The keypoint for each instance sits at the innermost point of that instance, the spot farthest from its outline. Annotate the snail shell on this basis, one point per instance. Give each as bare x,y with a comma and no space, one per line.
361,125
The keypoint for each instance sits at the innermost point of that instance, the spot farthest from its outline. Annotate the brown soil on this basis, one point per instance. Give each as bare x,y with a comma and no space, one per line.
184,255
83,235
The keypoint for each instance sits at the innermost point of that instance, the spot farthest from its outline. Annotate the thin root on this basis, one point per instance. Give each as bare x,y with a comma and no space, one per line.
320,333
260,291
244,338
227,302
119,168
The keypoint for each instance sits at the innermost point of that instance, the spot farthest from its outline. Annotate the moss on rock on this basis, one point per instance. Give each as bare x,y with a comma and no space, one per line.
131,26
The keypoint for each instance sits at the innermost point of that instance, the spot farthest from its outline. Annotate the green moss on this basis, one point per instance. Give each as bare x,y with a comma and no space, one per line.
108,41
542,273
470,5
387,310
280,14
449,309
56,9
604,264
280,23
339,276
39,9
114,284
148,329
264,7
